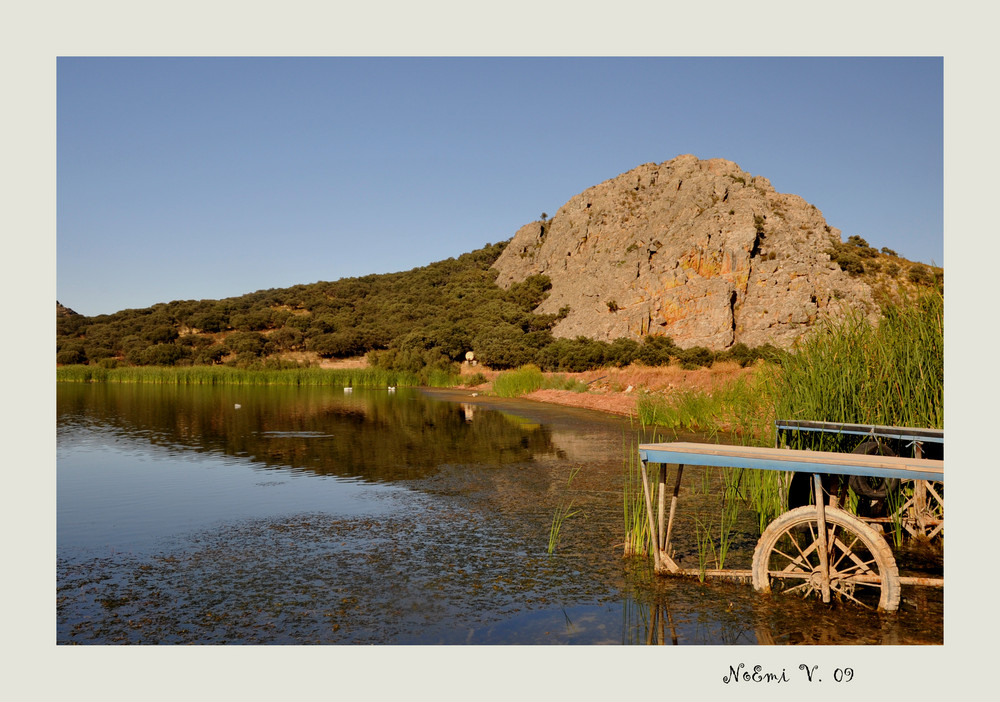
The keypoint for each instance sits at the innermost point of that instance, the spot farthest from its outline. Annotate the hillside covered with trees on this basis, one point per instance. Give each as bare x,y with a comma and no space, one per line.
425,318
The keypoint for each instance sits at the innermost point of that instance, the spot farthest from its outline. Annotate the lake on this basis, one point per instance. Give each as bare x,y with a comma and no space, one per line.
286,515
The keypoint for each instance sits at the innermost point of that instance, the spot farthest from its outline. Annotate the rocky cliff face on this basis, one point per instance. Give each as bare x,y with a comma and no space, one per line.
697,250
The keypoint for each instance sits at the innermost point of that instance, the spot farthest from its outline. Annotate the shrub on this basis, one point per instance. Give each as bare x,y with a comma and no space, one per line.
920,275
622,352
162,334
474,379
695,357
656,350
573,355
162,355
210,322
251,343
504,348
212,354
740,353
71,356
337,344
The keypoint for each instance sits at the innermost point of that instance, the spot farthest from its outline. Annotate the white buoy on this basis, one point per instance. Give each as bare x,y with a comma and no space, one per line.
237,406
392,388
348,389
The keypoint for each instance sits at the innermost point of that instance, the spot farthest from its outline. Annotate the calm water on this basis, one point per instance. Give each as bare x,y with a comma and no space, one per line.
307,515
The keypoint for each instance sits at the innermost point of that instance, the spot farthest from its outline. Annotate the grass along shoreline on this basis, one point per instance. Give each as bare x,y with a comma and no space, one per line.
222,375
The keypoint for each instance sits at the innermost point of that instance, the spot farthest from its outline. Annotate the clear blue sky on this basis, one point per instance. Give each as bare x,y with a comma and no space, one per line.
209,178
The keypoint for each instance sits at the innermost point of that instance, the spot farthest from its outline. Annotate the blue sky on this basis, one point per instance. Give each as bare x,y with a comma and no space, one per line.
208,178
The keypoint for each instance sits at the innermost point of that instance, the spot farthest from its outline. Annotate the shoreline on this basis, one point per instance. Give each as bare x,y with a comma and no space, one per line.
617,390
614,391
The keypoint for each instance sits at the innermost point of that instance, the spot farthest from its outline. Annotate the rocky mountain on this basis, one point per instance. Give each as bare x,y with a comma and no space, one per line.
698,250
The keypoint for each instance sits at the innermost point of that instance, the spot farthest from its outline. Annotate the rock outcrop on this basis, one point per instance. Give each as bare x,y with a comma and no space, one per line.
694,249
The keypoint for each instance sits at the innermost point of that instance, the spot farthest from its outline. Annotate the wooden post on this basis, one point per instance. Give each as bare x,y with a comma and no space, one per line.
824,555
673,508
662,507
654,537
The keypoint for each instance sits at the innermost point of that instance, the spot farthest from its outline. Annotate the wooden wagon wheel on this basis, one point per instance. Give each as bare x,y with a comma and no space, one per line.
920,509
862,568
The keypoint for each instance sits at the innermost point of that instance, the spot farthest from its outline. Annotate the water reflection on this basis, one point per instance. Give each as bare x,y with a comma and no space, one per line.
308,515
374,435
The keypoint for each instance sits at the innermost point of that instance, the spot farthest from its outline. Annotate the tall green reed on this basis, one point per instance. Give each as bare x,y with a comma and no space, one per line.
529,378
518,382
224,375
563,512
742,410
890,374
638,540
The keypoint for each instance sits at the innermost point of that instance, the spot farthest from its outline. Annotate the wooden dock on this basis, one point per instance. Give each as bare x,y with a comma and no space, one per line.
819,548
793,460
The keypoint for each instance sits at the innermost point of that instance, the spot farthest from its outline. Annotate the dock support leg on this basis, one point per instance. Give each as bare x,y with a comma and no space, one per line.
661,516
654,536
673,507
824,552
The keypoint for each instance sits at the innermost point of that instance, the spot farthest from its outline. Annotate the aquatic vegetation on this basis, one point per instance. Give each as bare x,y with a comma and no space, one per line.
518,382
638,540
890,374
763,491
563,512
742,409
223,375
852,371
529,378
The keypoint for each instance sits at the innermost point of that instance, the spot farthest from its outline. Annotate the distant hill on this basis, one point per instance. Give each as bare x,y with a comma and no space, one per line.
62,311
689,259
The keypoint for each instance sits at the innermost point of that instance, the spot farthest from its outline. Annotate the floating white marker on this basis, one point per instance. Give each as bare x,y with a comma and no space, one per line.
348,389
237,406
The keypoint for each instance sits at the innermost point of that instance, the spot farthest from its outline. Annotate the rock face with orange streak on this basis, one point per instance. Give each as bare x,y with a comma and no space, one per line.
697,250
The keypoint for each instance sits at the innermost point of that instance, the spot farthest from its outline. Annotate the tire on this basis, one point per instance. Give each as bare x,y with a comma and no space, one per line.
862,567
873,488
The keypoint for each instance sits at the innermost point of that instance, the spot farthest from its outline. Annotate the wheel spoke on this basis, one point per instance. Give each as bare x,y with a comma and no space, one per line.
846,551
859,564
844,593
812,547
800,586
796,562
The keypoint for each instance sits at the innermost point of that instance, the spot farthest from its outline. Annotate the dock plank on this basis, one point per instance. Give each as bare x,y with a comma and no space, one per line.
792,460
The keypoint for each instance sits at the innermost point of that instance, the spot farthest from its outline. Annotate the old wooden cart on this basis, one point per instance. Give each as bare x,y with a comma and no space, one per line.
819,548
